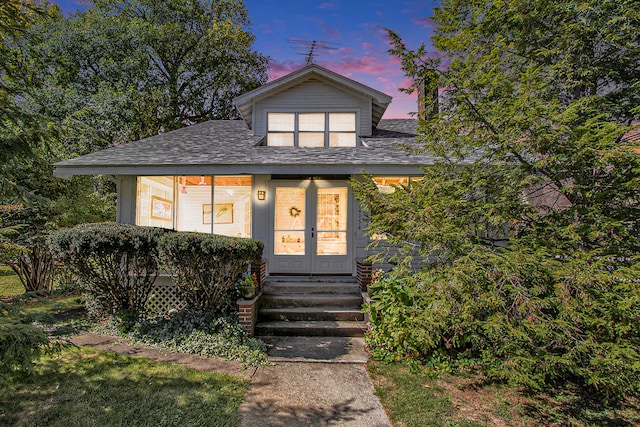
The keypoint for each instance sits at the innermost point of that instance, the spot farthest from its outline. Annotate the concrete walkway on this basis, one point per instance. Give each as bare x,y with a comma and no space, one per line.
313,382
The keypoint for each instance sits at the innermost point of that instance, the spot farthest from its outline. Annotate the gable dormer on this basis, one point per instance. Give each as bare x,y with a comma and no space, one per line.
313,107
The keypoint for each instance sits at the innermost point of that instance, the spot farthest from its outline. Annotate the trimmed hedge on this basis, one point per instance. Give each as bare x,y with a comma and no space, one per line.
205,267
118,263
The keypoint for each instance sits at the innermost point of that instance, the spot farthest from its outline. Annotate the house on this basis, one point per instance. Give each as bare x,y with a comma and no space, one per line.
280,175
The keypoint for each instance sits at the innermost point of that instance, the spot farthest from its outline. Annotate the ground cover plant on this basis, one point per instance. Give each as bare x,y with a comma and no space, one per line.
413,398
87,387
196,331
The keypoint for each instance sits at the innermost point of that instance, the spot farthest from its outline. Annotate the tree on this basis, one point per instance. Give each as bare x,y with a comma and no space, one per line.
19,127
529,217
130,69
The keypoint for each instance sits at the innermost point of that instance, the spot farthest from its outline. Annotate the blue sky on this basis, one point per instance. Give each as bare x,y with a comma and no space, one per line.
354,28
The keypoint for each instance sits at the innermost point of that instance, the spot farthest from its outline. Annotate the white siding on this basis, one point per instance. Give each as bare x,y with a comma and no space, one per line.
313,95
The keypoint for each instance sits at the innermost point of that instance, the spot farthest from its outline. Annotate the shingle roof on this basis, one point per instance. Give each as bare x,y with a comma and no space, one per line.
228,146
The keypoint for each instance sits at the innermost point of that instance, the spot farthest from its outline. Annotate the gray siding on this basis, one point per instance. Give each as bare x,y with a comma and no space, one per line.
126,207
313,96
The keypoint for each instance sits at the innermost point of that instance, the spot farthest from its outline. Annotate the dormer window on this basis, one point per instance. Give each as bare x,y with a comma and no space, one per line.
311,129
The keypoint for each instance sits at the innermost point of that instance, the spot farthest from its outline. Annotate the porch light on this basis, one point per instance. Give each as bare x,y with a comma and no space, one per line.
262,194
202,182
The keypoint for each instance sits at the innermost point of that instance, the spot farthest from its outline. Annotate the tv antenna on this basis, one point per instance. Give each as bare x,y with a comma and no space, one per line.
312,48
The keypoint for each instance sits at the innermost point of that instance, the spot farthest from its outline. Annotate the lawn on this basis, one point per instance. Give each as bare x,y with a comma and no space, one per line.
413,399
85,387
10,285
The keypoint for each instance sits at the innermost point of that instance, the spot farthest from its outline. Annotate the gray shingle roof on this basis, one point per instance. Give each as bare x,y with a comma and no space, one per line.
228,146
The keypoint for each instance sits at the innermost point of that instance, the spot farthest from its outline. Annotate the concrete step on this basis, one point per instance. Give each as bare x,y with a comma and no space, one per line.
310,300
311,279
311,328
311,288
311,314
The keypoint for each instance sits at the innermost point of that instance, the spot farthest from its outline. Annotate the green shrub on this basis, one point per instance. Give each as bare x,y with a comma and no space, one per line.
205,267
515,318
117,263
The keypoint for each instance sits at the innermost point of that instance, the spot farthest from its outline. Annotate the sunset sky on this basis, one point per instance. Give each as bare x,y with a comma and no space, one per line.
353,28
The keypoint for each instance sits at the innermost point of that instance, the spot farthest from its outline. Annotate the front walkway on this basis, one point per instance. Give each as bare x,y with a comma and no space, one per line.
314,381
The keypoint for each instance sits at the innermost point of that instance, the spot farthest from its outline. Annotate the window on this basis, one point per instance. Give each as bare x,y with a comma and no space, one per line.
206,204
311,129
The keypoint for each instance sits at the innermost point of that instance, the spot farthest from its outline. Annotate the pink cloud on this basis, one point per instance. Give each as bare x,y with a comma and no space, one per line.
425,22
327,5
278,69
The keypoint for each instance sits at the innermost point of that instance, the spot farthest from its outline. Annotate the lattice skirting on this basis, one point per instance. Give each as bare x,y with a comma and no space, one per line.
164,298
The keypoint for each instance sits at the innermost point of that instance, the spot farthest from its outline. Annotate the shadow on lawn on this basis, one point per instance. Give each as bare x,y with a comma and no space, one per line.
572,404
86,387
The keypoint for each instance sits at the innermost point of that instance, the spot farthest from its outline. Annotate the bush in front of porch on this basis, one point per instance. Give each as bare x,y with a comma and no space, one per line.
206,267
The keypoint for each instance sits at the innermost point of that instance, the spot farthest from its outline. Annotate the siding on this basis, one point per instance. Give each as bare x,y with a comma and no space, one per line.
313,95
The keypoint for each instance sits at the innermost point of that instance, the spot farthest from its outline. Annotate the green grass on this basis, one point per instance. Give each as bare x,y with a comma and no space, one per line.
413,399
85,387
10,285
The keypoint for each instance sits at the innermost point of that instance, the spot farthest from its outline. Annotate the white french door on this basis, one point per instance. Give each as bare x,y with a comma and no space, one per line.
310,228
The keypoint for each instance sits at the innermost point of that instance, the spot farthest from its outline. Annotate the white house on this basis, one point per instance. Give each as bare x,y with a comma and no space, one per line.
281,175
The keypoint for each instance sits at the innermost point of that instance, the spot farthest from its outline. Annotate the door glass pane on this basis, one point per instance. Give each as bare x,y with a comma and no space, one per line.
289,221
332,221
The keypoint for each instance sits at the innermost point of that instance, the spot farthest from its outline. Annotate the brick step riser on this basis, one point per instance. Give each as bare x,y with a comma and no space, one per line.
353,316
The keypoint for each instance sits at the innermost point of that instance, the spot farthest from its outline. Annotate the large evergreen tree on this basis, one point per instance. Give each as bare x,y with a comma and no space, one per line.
526,228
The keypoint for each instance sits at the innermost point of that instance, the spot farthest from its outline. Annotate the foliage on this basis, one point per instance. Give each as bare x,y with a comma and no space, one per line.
118,263
82,386
525,230
20,345
202,332
22,340
19,128
205,267
125,70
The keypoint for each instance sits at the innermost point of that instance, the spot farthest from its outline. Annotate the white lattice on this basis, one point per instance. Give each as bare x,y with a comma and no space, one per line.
164,298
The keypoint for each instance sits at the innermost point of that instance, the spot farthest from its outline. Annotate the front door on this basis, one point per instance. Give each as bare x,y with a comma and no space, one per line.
311,222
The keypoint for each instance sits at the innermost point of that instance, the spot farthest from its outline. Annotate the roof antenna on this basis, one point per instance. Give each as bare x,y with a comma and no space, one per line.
312,48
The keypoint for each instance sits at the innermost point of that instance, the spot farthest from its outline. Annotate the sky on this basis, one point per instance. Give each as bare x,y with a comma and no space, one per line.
354,30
